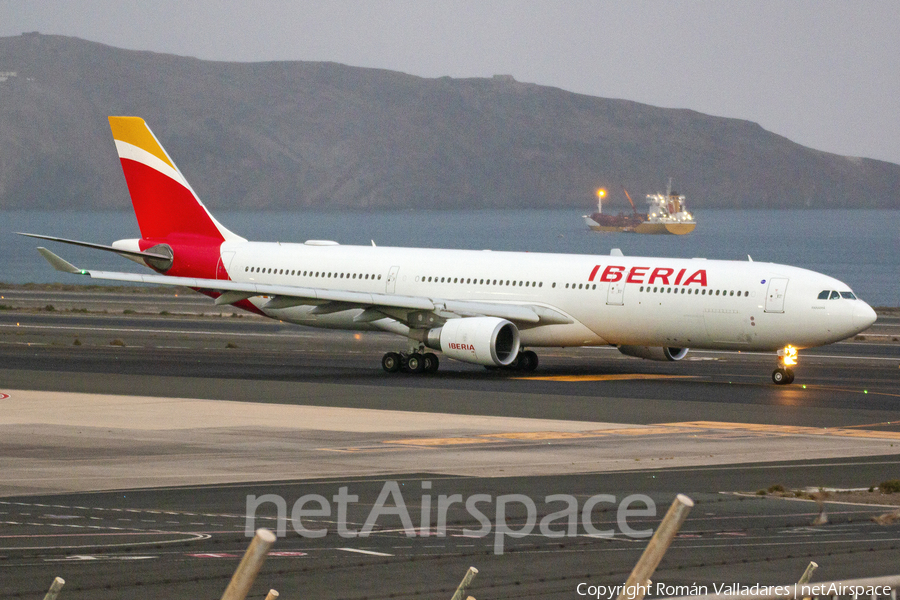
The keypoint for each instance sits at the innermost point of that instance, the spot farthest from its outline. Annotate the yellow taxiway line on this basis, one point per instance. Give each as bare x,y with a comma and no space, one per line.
618,377
688,427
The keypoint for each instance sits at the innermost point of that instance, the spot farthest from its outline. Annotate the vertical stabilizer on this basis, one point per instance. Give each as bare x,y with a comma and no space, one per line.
163,200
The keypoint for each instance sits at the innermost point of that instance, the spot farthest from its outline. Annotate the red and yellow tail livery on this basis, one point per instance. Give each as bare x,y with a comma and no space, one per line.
164,202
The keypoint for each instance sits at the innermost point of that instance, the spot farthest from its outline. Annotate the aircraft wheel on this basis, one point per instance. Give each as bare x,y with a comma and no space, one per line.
780,376
790,376
415,362
390,362
431,362
527,361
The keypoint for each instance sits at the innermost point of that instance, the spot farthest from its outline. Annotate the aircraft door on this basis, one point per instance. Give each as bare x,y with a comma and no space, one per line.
392,280
616,293
223,265
775,295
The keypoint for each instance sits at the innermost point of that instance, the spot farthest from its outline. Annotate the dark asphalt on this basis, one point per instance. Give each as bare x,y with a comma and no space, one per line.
185,542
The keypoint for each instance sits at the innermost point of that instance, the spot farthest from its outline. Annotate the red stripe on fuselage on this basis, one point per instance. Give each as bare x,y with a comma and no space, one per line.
163,206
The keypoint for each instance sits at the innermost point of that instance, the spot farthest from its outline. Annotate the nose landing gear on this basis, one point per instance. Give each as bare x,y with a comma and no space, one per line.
787,358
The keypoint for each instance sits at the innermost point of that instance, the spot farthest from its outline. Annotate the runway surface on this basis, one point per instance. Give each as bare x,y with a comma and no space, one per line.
246,406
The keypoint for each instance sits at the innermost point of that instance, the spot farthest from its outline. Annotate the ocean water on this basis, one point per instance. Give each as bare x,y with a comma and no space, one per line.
859,247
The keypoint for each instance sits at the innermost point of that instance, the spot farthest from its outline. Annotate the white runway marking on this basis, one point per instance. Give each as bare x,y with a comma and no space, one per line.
373,553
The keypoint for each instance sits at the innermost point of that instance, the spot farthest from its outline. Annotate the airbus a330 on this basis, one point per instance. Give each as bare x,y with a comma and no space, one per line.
481,307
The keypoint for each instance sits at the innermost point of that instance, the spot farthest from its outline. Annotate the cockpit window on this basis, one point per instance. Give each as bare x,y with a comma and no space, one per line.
834,296
823,295
848,295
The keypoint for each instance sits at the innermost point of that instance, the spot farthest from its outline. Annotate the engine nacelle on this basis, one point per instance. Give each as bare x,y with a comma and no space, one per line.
654,352
488,341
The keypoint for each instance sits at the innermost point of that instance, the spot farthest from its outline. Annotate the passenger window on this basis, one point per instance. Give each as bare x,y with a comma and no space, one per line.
834,296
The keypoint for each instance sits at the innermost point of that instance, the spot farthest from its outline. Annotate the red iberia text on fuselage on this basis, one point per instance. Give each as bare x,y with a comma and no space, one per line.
659,275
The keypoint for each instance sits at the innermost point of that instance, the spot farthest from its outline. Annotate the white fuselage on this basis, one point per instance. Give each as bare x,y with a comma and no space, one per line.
616,300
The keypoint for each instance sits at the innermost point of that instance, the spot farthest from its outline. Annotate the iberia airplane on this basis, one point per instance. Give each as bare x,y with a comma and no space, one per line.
478,307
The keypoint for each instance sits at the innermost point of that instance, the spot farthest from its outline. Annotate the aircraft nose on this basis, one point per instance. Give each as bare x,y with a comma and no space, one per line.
863,316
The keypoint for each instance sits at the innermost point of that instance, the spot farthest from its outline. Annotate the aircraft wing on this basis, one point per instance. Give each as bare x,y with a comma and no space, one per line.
327,301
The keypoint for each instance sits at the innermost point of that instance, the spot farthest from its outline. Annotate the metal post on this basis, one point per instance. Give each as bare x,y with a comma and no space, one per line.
272,595
55,588
247,570
656,548
459,594
807,574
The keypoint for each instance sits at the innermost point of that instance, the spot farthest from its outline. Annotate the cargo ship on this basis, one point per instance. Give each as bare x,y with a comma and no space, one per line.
666,214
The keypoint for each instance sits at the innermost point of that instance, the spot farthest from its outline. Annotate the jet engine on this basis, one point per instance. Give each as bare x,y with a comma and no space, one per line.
488,341
663,353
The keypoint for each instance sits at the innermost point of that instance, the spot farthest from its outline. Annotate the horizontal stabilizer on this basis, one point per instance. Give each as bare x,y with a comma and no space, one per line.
137,253
60,264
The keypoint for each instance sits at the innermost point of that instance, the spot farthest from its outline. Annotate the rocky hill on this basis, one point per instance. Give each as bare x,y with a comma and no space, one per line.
305,134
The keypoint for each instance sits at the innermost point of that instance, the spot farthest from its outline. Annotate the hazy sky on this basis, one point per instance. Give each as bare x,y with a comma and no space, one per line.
825,73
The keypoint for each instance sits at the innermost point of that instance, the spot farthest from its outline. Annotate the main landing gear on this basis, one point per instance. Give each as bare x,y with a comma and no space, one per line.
417,361
410,362
787,358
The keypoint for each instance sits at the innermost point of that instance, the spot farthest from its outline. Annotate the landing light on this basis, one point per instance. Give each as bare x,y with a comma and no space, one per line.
788,355
601,192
